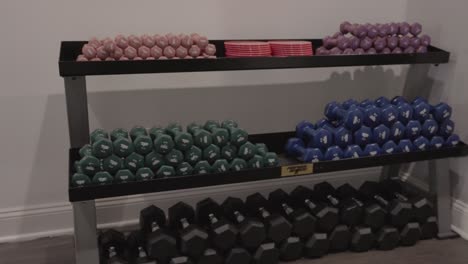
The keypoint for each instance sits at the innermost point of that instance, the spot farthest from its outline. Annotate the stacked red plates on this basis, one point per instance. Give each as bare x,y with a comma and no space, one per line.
247,49
286,48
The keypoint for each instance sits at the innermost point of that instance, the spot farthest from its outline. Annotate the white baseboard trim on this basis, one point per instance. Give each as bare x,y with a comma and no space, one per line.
27,223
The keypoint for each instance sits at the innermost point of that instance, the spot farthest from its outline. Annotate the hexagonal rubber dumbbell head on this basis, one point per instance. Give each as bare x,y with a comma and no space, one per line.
238,136
362,239
112,244
303,223
138,131
237,255
256,162
143,144
220,135
136,248
223,233
405,112
201,137
183,140
154,161
316,246
371,116
86,150
174,158
119,133
326,216
155,131
163,143
180,260
89,165
202,167
382,101
238,165
193,155
229,123
252,232
229,152
304,130
211,153
278,227
98,134
398,100
210,256
351,118
134,161
429,228
429,128
380,134
410,234
165,171
246,151
124,176
160,244
112,164
363,136
291,249
441,112
220,166
102,148
184,169
193,239
421,111
340,238
266,253
102,178
80,180
387,238
389,115
144,174
123,147
397,131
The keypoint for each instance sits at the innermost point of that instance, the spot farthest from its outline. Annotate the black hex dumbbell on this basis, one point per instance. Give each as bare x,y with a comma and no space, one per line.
237,255
180,260
429,228
422,208
398,212
373,216
252,233
387,238
326,216
136,251
317,245
303,223
210,256
223,234
112,247
193,240
161,244
350,211
278,228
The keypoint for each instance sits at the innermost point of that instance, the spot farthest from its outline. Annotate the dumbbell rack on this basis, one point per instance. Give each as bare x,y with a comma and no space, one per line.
83,199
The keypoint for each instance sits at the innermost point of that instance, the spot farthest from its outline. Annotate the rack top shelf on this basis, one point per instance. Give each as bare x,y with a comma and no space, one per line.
69,50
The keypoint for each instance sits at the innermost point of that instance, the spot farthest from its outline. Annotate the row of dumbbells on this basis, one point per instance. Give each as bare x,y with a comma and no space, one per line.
163,152
305,223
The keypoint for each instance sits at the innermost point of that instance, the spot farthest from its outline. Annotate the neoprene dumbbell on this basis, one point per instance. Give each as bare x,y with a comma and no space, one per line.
102,178
398,212
86,150
202,167
429,128
141,141
237,136
162,142
295,148
160,243
348,103
118,133
372,150
303,223
183,141
315,137
397,131
112,245
421,109
382,101
413,129
112,164
446,128
123,176
174,158
123,147
380,134
144,174
223,234
398,99
452,140
437,142
351,118
211,153
193,240
154,160
366,102
327,217
405,112
342,137
100,144
350,211
373,214
80,180
421,143
270,159
333,153
193,155
134,161
441,112
136,252
371,116
353,151
406,145
390,147
389,115
229,152
220,135
363,136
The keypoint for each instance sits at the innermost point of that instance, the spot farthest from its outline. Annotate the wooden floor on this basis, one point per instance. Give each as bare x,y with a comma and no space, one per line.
60,251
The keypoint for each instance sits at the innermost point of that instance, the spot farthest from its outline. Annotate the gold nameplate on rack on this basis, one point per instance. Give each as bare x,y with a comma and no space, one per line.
294,170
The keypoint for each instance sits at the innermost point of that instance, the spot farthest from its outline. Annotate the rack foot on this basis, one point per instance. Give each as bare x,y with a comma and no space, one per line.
86,246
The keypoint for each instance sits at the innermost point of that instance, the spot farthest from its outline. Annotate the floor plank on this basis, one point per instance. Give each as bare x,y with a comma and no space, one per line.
60,251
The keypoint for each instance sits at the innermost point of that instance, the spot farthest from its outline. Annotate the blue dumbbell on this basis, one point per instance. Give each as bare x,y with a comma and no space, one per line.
382,101
320,138
334,153
303,129
323,122
363,136
437,142
372,150
366,103
421,143
341,136
390,147
348,103
441,112
418,100
295,147
380,134
421,110
446,128
452,140
405,112
389,115
397,131
371,116
406,145
413,129
353,151
398,100
429,128
351,118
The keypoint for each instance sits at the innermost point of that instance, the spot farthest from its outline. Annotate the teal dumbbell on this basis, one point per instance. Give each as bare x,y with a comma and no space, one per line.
193,155
270,159
220,166
141,141
134,161
238,164
256,162
183,140
118,133
202,167
229,123
174,158
162,142
237,136
112,164
184,169
102,178
201,137
124,176
165,171
154,160
80,180
101,146
89,165
211,153
220,135
229,152
123,146
86,150
144,174
247,151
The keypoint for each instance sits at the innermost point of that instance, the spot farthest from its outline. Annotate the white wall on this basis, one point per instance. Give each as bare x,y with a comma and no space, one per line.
34,134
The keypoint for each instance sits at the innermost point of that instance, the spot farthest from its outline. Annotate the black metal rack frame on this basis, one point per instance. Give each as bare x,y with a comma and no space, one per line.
83,199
